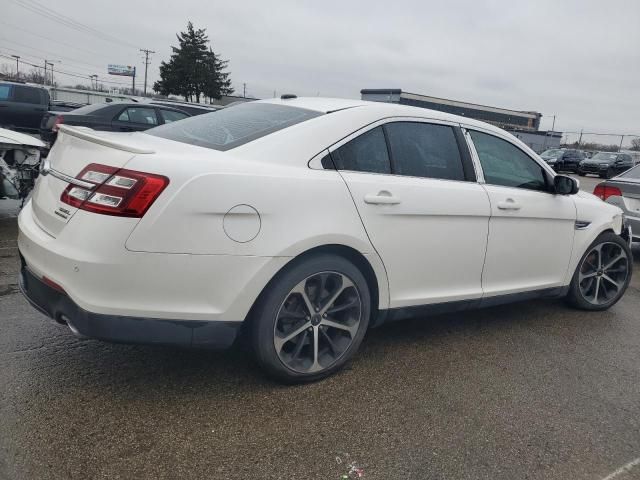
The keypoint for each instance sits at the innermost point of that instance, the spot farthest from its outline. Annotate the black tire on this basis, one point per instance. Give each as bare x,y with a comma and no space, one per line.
266,313
575,296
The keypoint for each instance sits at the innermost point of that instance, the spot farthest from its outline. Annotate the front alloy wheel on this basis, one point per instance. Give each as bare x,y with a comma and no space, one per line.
603,273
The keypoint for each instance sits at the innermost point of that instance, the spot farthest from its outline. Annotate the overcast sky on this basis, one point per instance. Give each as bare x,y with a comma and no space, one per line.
579,60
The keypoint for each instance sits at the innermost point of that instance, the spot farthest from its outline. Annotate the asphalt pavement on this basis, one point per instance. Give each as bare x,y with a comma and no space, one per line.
532,390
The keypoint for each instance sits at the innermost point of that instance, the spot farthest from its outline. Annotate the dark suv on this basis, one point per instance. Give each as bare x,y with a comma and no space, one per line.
22,106
606,164
563,159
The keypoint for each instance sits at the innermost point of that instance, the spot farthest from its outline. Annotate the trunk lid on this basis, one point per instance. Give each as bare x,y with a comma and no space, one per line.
75,148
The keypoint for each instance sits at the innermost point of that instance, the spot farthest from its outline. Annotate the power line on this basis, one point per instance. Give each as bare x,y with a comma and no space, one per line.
69,22
62,72
69,59
34,59
49,39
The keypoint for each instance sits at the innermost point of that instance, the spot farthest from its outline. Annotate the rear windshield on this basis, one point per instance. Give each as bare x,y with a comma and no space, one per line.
231,127
634,173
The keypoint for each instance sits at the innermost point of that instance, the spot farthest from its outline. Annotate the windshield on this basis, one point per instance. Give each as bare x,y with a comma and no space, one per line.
231,127
605,157
555,153
634,173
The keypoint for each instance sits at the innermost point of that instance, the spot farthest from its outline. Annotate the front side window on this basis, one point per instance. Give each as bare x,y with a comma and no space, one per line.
506,165
366,153
145,116
27,95
424,150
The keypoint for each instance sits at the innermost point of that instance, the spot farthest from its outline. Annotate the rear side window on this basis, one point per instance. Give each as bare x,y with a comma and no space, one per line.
172,116
424,150
366,153
231,127
5,92
145,116
27,95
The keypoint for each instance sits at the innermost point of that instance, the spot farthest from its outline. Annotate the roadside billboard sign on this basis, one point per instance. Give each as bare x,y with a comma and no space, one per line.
122,70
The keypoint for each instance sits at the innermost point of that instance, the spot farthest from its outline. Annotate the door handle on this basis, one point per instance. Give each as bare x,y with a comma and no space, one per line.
381,198
509,204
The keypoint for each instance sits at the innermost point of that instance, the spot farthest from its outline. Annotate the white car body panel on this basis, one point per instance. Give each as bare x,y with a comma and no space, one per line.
228,222
416,238
536,239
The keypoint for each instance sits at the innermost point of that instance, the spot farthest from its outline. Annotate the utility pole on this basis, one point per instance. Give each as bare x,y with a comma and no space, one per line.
133,82
553,127
244,90
580,139
621,140
146,65
17,57
48,62
94,77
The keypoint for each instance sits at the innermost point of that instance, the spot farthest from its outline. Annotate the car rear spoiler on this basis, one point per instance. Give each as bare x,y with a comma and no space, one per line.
103,138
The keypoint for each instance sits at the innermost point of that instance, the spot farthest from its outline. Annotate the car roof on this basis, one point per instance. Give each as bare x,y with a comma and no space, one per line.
328,105
170,103
22,84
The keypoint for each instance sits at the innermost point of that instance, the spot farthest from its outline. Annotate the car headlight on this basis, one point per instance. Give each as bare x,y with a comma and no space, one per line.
604,165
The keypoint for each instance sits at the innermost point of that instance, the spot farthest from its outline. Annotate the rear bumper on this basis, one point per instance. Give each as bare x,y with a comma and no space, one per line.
58,306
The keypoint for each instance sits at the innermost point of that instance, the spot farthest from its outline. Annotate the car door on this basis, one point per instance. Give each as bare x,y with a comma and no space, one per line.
415,190
29,106
531,229
134,119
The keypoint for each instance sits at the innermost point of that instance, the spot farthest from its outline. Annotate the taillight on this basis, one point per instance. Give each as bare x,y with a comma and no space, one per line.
606,191
119,192
59,120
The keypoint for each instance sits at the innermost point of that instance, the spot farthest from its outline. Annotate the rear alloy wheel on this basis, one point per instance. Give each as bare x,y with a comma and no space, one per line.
317,322
312,320
603,274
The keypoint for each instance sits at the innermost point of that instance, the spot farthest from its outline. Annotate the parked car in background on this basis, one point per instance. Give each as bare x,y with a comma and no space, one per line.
606,164
114,117
300,223
22,106
563,159
191,108
19,163
624,192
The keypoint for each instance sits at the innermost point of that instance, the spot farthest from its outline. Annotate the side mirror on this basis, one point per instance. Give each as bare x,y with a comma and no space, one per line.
565,185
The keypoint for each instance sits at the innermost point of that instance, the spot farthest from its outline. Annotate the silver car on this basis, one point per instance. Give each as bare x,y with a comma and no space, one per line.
624,192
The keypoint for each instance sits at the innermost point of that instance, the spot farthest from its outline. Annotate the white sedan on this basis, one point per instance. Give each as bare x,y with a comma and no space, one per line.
300,223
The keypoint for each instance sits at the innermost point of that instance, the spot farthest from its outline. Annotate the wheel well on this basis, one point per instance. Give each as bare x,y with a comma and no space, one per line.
348,253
